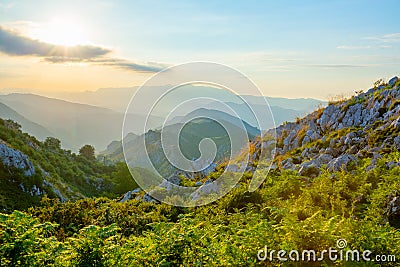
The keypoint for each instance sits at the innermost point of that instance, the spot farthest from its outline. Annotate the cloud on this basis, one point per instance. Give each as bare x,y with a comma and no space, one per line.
11,43
353,47
387,38
112,62
14,44
361,47
335,66
129,65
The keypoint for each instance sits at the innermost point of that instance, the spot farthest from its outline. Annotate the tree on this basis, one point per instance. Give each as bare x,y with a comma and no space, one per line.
52,143
10,124
379,83
87,151
123,178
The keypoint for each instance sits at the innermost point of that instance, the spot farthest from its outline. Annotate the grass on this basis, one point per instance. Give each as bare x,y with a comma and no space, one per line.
353,101
301,134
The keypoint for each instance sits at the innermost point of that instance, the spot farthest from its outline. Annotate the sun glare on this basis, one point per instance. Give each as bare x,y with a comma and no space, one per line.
61,31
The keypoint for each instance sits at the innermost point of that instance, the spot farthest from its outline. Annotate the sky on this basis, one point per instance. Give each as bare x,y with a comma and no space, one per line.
318,49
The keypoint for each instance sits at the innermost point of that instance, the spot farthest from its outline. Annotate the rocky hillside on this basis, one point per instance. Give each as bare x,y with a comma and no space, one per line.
336,137
30,169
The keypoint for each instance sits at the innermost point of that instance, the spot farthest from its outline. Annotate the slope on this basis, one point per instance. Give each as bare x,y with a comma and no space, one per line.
28,126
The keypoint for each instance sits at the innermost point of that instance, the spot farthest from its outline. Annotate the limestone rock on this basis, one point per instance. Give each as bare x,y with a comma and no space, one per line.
392,211
393,81
130,195
324,158
341,163
15,158
309,168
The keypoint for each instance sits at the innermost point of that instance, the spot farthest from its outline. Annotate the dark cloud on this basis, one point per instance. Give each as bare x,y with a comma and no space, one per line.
128,65
14,44
11,43
112,62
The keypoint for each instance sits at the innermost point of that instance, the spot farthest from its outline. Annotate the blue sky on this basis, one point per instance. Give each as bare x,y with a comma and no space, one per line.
289,48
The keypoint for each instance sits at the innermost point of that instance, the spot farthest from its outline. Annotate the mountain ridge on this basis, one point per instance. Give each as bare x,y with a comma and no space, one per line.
30,127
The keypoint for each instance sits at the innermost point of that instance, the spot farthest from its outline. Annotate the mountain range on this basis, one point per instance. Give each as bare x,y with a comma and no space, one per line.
74,124
28,126
190,134
96,118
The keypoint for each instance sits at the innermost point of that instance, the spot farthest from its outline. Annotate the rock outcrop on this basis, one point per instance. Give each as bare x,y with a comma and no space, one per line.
14,158
392,211
364,124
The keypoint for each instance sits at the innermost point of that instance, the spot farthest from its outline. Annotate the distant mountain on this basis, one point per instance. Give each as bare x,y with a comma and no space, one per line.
28,126
280,114
300,104
74,124
118,98
220,116
115,147
190,136
98,117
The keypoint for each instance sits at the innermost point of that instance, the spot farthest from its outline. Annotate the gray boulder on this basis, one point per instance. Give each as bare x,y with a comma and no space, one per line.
309,168
392,211
209,187
15,158
287,164
148,198
396,142
393,81
392,164
396,124
341,163
55,190
170,182
130,195
324,158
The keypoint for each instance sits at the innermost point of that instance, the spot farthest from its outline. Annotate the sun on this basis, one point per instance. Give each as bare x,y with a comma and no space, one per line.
61,31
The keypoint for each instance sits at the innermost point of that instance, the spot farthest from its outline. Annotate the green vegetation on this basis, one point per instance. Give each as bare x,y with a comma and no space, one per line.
75,176
377,136
353,101
87,151
394,104
289,212
301,134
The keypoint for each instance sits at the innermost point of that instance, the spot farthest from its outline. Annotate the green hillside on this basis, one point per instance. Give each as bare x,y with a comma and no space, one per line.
30,169
334,185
